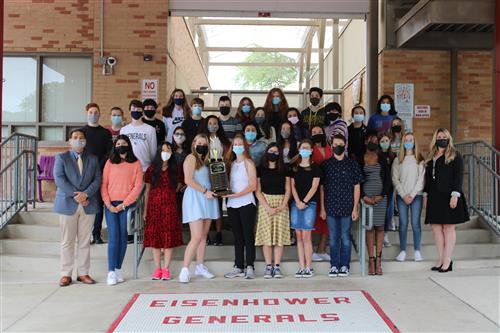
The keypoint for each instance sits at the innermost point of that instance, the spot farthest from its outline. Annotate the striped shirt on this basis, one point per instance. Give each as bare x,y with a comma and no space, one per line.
231,127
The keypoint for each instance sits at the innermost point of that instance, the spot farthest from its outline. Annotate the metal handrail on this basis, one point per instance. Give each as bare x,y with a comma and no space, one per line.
364,223
135,224
15,134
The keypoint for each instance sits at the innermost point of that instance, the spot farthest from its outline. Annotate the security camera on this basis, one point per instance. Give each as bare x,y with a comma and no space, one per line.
111,61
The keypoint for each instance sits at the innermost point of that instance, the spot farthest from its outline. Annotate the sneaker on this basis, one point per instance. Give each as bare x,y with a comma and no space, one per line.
307,273
156,274
401,256
165,274
277,273
299,273
202,270
344,271
418,256
325,256
119,275
111,280
317,257
387,243
268,272
249,273
236,272
184,275
334,272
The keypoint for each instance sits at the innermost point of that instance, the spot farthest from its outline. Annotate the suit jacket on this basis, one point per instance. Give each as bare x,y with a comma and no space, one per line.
68,180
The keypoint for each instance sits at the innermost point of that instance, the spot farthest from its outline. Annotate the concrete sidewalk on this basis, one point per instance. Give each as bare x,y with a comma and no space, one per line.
466,300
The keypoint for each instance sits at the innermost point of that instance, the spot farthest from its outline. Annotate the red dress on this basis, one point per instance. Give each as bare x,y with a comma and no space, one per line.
320,227
162,228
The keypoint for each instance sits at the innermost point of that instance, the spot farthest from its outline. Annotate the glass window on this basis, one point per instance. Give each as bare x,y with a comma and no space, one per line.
66,89
29,130
19,89
52,134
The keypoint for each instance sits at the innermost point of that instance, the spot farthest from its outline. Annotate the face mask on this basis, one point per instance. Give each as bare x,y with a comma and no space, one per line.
285,134
238,150
202,150
260,120
314,100
77,144
93,118
318,138
246,108
116,120
305,153
409,145
213,128
178,101
276,100
149,113
332,116
338,150
122,149
385,107
293,120
442,143
165,155
359,118
272,157
385,145
372,146
224,110
197,110
136,114
250,136
179,138
396,129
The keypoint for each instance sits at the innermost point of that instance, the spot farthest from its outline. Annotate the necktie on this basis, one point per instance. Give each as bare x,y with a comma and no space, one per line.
79,161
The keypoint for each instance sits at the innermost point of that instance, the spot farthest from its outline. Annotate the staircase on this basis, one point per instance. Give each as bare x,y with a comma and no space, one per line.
30,244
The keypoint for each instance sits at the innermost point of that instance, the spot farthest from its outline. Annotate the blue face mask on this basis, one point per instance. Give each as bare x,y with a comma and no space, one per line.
409,145
359,118
116,120
93,118
385,107
385,145
305,153
246,108
250,136
197,110
238,150
276,100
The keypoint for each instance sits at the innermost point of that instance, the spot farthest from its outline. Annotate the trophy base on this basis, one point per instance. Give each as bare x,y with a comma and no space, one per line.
222,193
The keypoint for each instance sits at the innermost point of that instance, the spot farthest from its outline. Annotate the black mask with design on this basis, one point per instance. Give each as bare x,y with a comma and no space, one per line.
442,143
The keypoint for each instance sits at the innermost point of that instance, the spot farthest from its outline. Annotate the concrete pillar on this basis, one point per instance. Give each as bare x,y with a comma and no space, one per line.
1,62
372,57
496,83
453,92
335,54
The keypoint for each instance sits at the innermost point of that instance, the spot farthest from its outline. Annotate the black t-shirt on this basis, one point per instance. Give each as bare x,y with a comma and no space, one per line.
99,142
271,180
191,126
159,126
304,179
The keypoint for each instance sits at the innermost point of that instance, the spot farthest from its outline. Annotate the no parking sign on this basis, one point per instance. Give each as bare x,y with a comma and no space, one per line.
149,89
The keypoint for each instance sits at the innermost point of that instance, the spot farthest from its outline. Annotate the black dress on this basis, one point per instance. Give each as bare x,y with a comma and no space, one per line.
440,180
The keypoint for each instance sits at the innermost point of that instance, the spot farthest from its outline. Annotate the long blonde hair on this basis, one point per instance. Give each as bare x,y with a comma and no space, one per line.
402,149
449,153
199,161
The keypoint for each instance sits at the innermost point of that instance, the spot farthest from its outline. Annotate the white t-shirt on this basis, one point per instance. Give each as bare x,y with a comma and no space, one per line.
171,123
143,139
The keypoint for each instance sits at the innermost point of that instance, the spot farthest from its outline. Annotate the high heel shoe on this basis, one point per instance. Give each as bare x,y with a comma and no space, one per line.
371,266
449,269
378,264
436,268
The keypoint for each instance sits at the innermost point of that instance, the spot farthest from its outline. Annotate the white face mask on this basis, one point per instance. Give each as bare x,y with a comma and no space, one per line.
179,139
165,155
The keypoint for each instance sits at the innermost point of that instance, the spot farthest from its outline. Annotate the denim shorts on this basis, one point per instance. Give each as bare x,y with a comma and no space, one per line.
303,219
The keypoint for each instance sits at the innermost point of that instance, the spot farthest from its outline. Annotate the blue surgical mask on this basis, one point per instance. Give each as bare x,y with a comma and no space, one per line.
385,145
246,108
213,128
409,145
197,110
116,120
250,136
276,100
385,107
359,118
93,118
305,153
238,150
77,144
260,120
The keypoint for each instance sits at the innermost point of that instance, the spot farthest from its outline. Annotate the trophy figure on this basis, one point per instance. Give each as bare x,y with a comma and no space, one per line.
218,174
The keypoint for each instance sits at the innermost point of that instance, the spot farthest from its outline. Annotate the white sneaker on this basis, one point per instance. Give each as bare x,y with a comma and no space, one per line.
317,257
184,275
119,275
401,256
111,280
387,243
325,256
202,270
418,256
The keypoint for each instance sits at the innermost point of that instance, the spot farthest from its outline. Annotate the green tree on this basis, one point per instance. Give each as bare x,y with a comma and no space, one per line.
263,78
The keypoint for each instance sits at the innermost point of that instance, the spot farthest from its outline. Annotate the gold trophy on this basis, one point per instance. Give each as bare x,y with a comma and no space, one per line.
218,174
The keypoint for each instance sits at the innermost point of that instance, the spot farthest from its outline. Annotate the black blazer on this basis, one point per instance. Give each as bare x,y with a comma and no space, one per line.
385,174
448,177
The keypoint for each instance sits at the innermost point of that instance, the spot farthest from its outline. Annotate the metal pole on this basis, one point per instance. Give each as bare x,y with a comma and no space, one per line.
362,243
372,56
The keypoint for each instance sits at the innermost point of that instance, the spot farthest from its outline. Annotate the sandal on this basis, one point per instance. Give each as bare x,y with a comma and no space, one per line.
379,264
371,266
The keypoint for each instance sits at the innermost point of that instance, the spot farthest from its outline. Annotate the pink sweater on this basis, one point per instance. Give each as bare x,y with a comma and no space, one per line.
121,182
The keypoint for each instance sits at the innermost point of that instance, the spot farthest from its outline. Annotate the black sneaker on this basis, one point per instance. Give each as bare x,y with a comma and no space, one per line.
300,273
98,240
268,273
344,271
307,273
334,272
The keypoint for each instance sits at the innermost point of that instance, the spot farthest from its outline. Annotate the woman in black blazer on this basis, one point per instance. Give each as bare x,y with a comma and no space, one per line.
445,200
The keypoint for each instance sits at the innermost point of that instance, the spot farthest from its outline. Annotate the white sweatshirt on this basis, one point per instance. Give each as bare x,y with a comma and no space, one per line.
408,177
143,139
171,123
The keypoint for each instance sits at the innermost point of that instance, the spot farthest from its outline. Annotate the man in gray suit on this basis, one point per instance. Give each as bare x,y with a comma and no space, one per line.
78,179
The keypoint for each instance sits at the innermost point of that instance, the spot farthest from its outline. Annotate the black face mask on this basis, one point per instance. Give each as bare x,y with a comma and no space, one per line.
202,150
318,138
332,116
396,129
372,146
122,149
442,143
272,157
314,101
149,113
224,110
338,150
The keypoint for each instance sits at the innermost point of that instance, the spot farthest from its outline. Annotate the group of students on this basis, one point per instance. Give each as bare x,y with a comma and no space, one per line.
306,171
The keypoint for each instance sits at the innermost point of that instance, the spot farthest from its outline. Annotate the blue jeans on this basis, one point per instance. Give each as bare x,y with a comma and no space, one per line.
390,211
117,236
416,209
339,228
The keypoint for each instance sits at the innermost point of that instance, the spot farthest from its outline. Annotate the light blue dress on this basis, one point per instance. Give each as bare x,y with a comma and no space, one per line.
194,204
